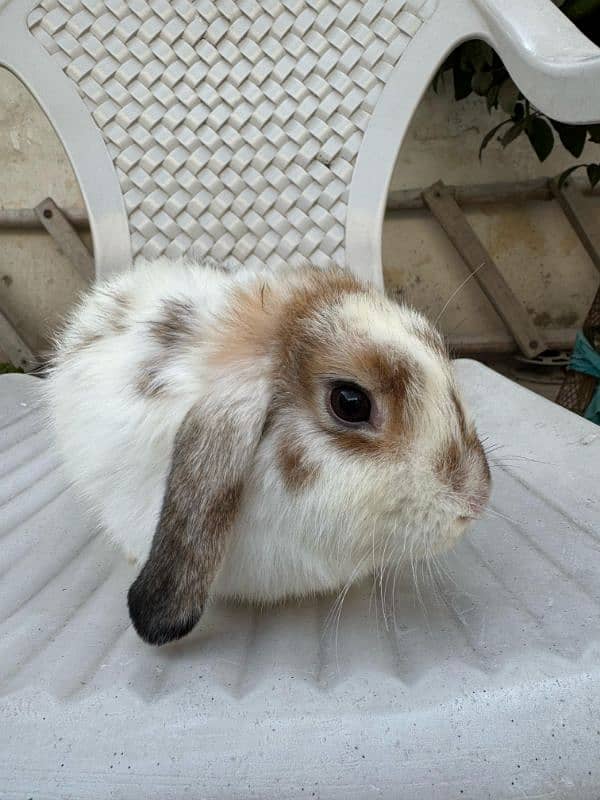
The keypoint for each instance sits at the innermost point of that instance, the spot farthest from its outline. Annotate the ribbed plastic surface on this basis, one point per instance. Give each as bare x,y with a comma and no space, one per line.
490,687
234,126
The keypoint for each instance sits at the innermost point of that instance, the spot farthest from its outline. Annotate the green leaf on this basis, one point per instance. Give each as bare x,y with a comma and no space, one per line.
512,133
462,83
475,56
593,173
564,175
481,82
491,98
519,112
572,136
490,135
5,369
578,9
594,131
540,136
508,95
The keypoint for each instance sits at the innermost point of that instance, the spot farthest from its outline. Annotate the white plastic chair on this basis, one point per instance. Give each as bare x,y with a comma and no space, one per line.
268,129
262,129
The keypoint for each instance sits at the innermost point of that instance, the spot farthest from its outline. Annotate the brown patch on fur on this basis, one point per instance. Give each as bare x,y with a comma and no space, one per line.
460,415
267,317
149,382
448,465
77,340
295,468
269,419
88,339
475,444
299,342
175,324
355,441
389,375
471,441
458,459
247,330
118,320
452,463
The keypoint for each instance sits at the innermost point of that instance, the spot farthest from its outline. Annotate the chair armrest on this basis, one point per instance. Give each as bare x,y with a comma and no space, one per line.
552,62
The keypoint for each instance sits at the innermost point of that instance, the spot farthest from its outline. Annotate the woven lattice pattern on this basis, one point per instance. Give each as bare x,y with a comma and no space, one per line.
234,125
577,391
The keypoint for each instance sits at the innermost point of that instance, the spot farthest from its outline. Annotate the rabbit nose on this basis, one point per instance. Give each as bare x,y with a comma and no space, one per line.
477,502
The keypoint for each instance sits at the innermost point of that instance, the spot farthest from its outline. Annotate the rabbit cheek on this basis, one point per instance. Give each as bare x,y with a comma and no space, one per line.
296,469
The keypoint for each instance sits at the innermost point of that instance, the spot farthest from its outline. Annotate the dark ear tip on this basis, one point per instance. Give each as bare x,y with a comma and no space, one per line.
154,622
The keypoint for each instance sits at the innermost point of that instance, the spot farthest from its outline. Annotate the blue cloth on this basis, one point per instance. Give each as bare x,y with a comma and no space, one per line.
586,359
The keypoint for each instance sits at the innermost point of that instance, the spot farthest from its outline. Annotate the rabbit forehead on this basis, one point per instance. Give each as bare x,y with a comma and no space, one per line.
397,330
385,347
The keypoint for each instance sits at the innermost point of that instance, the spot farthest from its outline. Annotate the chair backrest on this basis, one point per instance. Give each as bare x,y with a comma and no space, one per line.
250,130
234,127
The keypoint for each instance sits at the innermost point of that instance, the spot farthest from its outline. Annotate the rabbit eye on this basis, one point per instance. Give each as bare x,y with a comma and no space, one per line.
350,403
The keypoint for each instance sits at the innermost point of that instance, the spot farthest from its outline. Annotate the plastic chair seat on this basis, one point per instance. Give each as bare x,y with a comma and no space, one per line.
488,687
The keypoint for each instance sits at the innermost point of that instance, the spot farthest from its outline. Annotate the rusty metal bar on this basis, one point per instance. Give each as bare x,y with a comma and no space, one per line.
520,191
27,219
570,202
498,344
15,348
486,193
66,237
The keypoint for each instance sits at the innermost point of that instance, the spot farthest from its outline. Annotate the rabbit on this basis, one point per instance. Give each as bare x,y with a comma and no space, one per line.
259,434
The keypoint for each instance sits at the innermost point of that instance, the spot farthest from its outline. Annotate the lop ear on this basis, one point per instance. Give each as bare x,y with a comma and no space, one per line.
214,448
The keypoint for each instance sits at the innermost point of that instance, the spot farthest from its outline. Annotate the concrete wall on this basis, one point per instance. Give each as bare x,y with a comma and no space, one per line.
533,244
37,284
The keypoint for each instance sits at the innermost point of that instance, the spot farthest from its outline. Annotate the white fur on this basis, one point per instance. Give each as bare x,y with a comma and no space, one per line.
117,445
